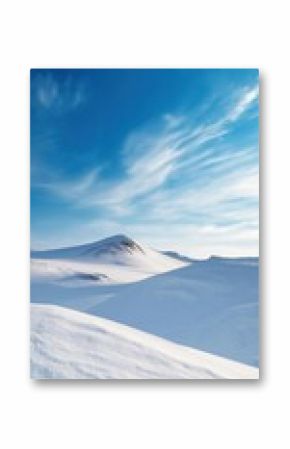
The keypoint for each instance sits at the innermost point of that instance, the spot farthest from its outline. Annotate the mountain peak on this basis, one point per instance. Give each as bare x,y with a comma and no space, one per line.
117,238
119,242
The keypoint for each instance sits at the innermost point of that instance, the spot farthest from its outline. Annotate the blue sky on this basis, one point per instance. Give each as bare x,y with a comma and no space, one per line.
168,157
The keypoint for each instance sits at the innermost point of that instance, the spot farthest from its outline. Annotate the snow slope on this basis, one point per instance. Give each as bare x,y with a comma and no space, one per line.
116,259
210,305
72,345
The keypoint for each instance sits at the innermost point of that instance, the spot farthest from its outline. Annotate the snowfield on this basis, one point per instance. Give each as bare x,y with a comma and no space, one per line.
66,344
208,305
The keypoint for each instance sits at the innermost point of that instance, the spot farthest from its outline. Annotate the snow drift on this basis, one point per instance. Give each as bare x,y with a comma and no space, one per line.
72,345
210,305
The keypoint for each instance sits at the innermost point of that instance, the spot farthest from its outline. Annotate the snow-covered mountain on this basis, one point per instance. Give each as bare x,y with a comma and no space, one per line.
210,305
116,259
115,245
72,345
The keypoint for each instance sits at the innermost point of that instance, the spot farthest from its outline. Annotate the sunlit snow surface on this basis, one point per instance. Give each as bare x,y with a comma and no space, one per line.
209,305
71,345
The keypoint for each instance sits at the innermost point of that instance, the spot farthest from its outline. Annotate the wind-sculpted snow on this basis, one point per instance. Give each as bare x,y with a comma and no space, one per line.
210,305
66,344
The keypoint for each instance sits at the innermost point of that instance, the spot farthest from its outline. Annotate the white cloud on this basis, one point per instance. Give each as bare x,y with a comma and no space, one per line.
55,95
179,184
248,97
72,190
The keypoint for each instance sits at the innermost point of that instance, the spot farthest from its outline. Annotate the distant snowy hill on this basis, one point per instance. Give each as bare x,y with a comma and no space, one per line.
117,259
72,345
211,305
116,245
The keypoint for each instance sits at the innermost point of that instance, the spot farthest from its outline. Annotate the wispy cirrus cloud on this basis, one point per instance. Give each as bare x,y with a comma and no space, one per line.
189,178
249,96
55,95
70,190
